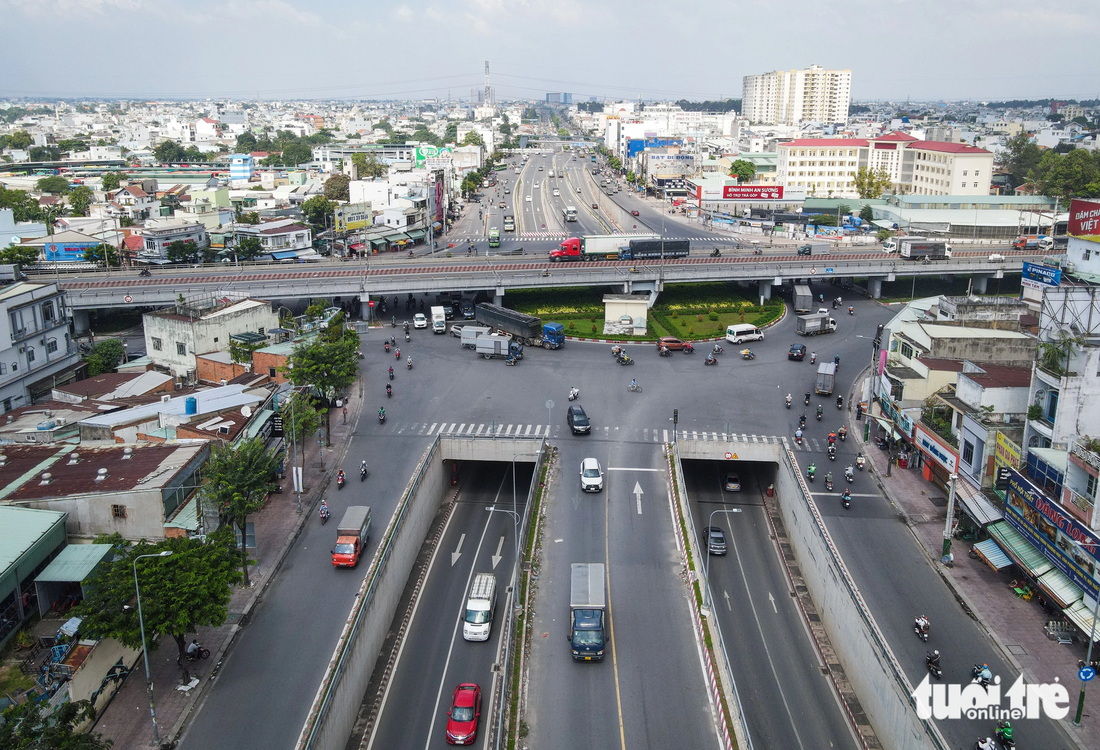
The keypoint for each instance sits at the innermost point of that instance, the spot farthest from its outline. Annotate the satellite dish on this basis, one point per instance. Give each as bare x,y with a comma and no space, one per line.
246,411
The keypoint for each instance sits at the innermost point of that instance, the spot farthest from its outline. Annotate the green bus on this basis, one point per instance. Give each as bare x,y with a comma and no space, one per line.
494,237
500,167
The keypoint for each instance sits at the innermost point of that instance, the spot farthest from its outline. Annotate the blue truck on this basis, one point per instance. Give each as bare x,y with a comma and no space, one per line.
529,330
655,249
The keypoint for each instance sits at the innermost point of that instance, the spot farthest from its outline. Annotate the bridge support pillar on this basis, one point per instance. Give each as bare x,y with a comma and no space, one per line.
979,284
80,322
765,291
874,288
498,296
364,308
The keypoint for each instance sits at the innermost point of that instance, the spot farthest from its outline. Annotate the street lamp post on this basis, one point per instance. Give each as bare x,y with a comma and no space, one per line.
1088,658
144,650
706,575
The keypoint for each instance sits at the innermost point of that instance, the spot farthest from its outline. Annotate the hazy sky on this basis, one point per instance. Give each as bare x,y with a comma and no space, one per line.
920,49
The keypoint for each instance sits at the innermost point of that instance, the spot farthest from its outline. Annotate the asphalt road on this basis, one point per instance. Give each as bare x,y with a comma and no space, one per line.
434,658
787,699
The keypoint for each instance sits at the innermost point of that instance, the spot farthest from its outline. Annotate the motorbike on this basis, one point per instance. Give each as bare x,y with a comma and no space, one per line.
617,351
846,499
689,349
1006,740
409,363
574,394
921,632
813,357
665,352
407,336
980,675
819,411
391,373
860,461
798,437
802,422
849,475
807,398
511,361
625,360
382,416
145,272
933,667
340,481
389,390
757,251
811,471
832,453
851,310
716,254
362,473
397,354
387,347
717,349
747,354
393,321
843,433
323,512
788,402
840,402
710,360
828,482
198,653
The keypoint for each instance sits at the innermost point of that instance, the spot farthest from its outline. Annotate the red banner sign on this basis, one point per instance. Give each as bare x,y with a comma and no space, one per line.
752,192
1084,219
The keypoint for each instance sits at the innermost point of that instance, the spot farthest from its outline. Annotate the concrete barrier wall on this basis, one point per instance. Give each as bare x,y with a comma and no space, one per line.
869,664
340,695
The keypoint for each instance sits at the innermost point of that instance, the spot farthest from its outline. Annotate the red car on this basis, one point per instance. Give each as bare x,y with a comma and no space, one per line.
463,715
634,212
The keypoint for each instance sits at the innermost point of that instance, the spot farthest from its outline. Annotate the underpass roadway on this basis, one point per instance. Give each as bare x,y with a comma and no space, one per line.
478,536
785,696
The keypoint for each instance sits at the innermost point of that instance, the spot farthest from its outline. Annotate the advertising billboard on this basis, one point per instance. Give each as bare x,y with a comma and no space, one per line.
752,192
1037,276
432,157
352,217
1084,220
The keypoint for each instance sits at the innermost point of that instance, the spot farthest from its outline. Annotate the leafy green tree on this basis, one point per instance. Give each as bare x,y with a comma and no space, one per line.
328,361
296,153
1019,157
249,248
246,143
884,234
1075,174
80,200
45,153
336,187
867,213
368,166
450,134
23,206
384,125
72,144
179,593
102,253
105,356
32,725
169,151
20,139
18,254
317,209
179,251
505,129
54,185
822,220
424,135
631,177
473,138
112,180
872,183
743,170
50,214
237,481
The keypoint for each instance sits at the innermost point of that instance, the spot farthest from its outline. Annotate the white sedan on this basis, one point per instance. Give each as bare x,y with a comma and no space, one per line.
528,199
419,321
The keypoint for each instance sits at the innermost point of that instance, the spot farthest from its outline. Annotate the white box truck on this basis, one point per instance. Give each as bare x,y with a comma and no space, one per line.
587,637
480,608
439,320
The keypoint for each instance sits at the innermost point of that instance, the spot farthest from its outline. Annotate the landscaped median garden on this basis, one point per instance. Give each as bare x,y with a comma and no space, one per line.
686,311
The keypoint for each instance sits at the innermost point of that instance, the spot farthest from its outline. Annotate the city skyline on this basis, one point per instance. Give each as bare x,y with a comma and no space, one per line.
271,49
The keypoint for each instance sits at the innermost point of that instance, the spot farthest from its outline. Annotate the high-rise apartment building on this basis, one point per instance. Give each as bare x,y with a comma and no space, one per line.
789,97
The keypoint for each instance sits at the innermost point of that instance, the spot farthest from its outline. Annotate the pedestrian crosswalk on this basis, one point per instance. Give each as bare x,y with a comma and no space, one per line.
540,236
534,430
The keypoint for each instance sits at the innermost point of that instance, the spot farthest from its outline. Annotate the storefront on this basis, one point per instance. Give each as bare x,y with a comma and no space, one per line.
938,458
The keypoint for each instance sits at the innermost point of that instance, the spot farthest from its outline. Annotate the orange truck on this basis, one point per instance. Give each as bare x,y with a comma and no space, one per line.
351,536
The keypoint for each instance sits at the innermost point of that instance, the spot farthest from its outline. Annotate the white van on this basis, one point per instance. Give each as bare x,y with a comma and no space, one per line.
742,332
480,608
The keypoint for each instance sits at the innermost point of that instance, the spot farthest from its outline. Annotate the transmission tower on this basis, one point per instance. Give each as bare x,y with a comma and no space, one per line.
488,91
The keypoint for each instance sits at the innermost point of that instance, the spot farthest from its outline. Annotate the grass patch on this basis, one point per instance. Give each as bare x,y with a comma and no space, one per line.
13,681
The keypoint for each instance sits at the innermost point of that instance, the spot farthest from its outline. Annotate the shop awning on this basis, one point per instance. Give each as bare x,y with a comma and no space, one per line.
75,563
1081,616
396,237
417,234
975,504
186,516
284,255
992,555
1019,549
1064,592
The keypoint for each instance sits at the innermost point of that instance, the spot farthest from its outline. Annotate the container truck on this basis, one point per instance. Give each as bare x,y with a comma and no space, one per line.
569,213
811,325
826,375
439,320
815,248
351,536
918,248
528,329
596,246
647,249
587,603
480,608
803,299
1032,241
491,346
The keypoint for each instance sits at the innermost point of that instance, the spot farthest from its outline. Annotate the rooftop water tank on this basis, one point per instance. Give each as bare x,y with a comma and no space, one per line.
191,405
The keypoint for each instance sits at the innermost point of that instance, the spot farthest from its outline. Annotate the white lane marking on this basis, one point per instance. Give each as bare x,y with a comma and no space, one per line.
432,428
538,430
770,599
497,556
509,430
528,430
461,428
728,605
638,496
630,468
664,436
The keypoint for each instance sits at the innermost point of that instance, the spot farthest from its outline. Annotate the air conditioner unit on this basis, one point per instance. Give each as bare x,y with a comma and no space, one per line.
167,397
179,386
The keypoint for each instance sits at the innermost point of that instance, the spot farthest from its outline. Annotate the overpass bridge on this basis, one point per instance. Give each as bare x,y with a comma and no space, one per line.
496,275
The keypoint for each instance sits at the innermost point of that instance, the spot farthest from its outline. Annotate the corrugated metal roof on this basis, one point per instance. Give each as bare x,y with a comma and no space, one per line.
1019,549
992,554
22,528
75,563
1060,587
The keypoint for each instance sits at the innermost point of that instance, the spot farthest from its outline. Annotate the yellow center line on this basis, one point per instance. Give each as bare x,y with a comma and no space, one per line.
610,617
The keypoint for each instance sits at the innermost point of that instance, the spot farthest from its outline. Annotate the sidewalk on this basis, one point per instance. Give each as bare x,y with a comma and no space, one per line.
1015,626
126,719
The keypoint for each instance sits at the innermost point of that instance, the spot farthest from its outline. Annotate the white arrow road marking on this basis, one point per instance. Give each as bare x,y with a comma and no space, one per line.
497,556
772,600
638,495
727,595
458,550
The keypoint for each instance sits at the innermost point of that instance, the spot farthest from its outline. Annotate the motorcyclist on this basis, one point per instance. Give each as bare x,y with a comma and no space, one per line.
933,659
802,420
832,438
363,467
923,624
813,357
193,649
406,326
573,393
633,383
840,402
382,412
811,470
836,361
832,451
983,674
819,411
391,372
393,341
848,474
842,432
798,434
828,480
323,510
807,397
851,310
409,362
397,354
847,496
389,389
788,400
1004,731
718,349
340,476
710,359
986,744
